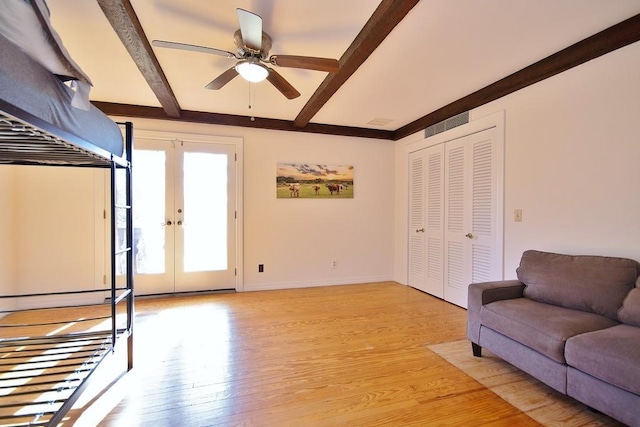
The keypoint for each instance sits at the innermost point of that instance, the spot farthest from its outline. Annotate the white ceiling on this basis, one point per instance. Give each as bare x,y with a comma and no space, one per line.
441,51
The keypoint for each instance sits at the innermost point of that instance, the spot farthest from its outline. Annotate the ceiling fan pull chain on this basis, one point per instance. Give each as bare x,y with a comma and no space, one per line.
252,98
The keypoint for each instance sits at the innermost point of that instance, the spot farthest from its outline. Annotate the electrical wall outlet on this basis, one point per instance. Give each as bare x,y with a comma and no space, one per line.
260,268
334,264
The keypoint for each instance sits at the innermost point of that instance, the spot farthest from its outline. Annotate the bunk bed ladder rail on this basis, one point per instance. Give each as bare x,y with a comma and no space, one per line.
130,260
130,243
128,294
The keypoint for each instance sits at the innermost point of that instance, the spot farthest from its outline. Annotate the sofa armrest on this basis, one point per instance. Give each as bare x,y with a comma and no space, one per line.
484,293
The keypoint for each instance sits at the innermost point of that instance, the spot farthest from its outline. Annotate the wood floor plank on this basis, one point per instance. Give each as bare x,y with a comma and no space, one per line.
326,356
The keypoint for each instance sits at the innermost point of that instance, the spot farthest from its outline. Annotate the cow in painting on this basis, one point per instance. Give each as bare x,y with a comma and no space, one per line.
335,188
294,189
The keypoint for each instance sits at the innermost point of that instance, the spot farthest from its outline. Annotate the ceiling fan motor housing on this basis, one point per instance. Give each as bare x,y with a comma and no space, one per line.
244,51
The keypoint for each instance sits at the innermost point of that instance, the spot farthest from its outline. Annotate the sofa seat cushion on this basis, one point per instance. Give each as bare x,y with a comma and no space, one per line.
611,355
542,327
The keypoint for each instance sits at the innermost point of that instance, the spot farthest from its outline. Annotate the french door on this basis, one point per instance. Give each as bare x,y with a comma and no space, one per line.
184,216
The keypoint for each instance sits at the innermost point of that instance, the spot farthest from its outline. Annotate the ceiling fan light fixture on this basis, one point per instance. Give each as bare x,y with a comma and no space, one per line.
252,71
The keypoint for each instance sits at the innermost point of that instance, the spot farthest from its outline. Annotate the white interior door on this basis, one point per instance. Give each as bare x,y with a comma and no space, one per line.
184,216
472,247
457,274
426,187
417,195
434,228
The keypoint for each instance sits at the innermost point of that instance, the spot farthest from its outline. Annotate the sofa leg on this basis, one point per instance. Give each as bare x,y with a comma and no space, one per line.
477,350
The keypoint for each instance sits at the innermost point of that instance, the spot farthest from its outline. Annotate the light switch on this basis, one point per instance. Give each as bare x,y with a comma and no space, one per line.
517,215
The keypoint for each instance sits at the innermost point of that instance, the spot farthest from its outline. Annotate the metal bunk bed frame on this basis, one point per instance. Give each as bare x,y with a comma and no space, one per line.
27,140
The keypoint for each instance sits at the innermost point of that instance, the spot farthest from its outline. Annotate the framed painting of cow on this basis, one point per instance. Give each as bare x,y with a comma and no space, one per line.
313,181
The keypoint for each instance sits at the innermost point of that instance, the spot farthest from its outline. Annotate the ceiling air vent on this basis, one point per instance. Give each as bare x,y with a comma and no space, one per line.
450,123
378,121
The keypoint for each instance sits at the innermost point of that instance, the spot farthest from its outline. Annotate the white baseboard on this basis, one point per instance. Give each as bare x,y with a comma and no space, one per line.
312,284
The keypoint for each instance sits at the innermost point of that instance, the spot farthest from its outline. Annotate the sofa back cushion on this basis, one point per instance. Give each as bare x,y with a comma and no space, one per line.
630,311
583,282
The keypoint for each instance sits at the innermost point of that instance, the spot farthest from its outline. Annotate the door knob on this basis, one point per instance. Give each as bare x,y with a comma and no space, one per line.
420,230
469,235
166,223
179,223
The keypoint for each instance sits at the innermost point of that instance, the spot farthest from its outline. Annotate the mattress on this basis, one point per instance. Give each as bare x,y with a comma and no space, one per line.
32,94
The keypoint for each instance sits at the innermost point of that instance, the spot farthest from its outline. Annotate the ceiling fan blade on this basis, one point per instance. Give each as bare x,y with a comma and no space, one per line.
222,79
282,85
193,48
305,62
251,29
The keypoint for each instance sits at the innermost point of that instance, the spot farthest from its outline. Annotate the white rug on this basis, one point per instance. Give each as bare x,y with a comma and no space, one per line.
540,402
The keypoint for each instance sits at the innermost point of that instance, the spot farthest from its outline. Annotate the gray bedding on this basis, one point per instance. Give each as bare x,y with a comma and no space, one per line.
25,84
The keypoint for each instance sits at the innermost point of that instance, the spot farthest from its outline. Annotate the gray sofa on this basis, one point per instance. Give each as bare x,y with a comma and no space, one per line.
573,322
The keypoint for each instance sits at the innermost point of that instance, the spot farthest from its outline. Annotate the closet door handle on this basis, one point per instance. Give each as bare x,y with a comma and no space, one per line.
166,223
179,223
469,235
420,230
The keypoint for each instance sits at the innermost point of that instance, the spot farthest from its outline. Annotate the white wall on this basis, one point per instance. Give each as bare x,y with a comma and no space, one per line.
297,240
572,150
54,226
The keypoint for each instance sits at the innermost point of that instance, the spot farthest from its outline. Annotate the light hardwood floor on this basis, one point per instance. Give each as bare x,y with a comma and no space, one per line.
327,356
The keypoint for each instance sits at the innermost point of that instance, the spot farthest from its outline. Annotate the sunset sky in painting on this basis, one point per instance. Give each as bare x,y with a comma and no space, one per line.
305,172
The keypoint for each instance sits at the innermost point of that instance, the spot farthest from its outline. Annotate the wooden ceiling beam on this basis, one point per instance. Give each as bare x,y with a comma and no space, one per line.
145,112
386,17
615,37
125,22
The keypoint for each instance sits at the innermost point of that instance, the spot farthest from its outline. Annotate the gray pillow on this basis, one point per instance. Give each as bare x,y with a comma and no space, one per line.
630,311
595,284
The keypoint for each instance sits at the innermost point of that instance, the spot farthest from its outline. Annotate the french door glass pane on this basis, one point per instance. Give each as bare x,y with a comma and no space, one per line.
205,212
121,221
149,210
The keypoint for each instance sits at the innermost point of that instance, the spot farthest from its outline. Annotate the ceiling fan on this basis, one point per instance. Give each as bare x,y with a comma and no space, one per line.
252,52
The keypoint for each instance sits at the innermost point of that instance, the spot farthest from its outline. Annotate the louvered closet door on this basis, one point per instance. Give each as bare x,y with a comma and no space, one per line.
426,203
435,220
417,209
471,249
